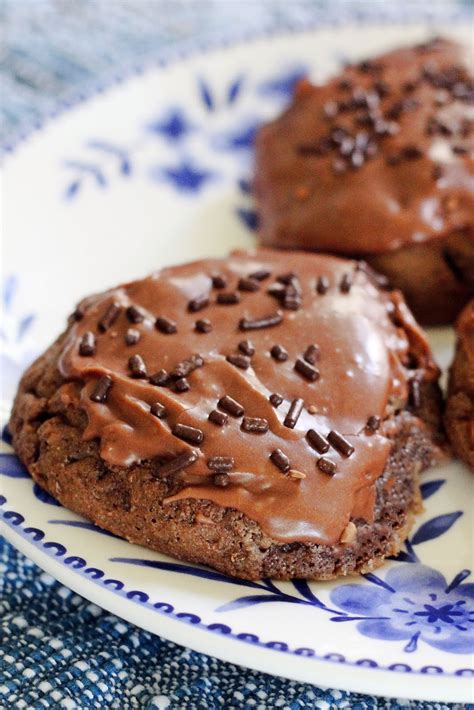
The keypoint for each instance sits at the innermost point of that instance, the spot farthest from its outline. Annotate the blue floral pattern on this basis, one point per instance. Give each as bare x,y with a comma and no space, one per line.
16,345
413,603
184,176
174,126
225,132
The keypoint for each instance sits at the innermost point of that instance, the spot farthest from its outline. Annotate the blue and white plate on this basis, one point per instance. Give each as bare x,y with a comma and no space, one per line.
156,171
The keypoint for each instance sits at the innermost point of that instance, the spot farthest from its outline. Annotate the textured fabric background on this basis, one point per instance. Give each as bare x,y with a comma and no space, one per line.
57,649
55,50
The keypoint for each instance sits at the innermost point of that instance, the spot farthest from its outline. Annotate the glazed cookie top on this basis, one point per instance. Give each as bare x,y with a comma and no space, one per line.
377,158
260,382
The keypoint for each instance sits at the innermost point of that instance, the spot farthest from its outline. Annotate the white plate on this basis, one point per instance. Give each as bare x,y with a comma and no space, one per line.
156,171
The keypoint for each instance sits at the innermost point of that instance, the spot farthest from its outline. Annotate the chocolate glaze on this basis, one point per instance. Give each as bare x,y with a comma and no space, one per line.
408,188
366,340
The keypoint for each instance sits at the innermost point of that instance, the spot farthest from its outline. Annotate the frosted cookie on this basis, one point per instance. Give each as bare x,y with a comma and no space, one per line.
267,414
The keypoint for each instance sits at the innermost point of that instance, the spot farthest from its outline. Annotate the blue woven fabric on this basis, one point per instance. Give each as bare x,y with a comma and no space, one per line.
57,649
58,50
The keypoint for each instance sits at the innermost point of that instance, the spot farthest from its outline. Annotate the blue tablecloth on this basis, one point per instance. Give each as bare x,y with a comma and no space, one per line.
57,649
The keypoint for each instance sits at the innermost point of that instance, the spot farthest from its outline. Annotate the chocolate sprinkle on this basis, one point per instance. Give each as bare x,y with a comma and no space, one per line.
308,371
78,313
322,285
437,172
280,460
326,465
109,317
231,406
346,283
287,291
218,418
409,86
317,441
160,378
135,315
228,299
291,303
277,291
411,152
187,366
221,479
340,443
132,336
382,88
414,393
188,433
279,353
247,347
182,385
178,463
137,367
312,354
373,423
203,325
240,361
250,285
259,323
330,109
288,278
275,399
347,146
197,304
166,325
345,84
255,425
158,410
101,390
357,159
294,412
220,463
219,281
87,345
260,275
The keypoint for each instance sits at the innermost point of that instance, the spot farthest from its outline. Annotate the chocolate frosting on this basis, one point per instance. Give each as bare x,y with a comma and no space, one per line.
378,158
367,349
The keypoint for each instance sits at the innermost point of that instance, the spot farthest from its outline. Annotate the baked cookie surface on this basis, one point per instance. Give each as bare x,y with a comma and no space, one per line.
378,164
459,415
266,414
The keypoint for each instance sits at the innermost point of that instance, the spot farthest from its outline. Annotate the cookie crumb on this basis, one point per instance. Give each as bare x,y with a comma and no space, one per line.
297,475
349,534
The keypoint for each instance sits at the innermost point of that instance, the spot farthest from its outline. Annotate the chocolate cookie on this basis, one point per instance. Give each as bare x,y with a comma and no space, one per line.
266,414
459,415
378,164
